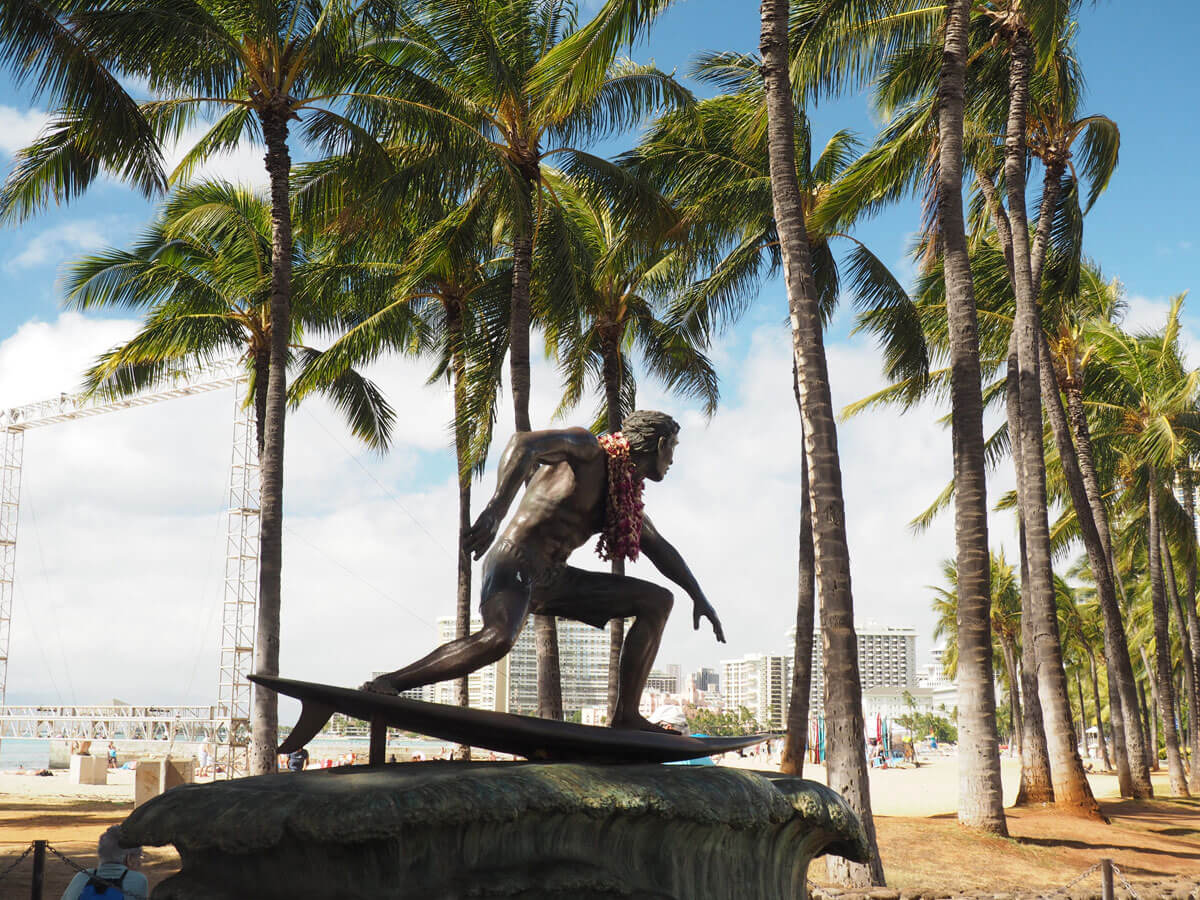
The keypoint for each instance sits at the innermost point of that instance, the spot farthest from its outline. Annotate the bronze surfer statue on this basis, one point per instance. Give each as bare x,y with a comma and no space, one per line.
579,486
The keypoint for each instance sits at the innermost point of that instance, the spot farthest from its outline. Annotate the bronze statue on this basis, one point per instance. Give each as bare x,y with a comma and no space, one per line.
581,485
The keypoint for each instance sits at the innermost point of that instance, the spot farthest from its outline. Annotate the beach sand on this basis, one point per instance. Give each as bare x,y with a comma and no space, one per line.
923,847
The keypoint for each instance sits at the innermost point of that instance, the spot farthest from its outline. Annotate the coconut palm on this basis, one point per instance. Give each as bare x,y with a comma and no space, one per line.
846,765
452,275
501,87
612,312
257,66
1148,399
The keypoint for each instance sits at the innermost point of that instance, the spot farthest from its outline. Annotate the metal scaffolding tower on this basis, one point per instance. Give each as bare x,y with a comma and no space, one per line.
240,602
240,606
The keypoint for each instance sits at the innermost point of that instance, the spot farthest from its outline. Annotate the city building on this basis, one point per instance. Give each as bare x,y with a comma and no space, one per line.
933,676
760,682
666,682
510,685
705,680
887,657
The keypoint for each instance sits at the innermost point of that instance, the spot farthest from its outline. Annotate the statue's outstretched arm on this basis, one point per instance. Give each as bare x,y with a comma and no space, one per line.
525,452
670,562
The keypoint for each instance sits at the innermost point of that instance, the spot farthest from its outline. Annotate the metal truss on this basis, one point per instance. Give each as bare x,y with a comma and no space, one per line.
10,498
239,611
187,724
228,723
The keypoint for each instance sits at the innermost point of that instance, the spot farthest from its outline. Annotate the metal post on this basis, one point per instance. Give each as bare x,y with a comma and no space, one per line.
39,869
239,610
377,754
1106,875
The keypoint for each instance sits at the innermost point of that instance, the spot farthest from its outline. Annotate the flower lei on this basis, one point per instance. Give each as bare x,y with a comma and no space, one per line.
621,537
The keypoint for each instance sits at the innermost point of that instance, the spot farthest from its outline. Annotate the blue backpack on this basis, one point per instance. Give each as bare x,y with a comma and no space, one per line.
97,888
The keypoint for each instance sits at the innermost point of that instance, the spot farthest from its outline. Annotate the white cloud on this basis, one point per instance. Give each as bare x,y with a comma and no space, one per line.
242,165
1149,314
121,559
18,127
53,245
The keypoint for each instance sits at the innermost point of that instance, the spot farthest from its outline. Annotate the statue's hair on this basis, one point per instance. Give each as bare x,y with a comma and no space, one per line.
644,428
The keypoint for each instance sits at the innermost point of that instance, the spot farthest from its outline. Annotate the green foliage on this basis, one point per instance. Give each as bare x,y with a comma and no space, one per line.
706,721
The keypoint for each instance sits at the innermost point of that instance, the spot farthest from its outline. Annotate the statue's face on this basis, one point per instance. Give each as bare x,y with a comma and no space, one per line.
664,458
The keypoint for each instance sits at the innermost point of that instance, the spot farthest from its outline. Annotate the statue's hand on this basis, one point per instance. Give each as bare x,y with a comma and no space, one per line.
702,609
482,533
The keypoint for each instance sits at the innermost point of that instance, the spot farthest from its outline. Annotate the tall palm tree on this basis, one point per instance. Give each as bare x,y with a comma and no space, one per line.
846,765
712,161
1148,398
609,312
502,86
259,66
430,283
980,801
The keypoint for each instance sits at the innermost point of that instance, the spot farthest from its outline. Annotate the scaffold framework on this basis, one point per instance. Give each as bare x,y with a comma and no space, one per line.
229,725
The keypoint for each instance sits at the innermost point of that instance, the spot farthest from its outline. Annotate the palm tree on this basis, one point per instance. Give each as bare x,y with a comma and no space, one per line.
452,276
500,87
980,802
1149,399
1005,626
609,312
260,66
846,766
202,272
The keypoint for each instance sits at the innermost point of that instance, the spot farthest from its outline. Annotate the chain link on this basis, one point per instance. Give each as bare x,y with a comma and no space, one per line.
1124,881
1070,884
18,861
91,874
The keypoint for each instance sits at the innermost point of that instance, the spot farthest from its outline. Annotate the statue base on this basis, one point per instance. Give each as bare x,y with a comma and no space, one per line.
428,831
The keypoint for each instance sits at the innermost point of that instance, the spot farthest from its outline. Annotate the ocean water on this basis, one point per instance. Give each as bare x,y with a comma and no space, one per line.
31,753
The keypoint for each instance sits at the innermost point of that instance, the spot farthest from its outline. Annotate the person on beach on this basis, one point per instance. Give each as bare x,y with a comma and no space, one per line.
112,755
114,874
578,485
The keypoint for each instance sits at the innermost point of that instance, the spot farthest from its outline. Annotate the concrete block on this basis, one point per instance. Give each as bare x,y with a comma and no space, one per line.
148,778
89,770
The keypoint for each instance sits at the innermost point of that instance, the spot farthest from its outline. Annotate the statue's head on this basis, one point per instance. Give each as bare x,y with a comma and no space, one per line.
652,437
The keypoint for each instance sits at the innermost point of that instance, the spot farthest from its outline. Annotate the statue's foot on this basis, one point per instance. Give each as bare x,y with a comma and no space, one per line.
380,685
639,723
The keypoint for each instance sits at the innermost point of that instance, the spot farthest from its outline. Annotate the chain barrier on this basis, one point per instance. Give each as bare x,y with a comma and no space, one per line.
20,859
1125,882
133,895
1070,884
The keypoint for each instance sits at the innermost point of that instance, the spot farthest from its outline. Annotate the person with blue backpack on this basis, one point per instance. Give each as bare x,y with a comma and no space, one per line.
114,878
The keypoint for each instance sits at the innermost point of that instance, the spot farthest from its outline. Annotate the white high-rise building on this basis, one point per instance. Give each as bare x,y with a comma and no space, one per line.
510,685
760,682
887,657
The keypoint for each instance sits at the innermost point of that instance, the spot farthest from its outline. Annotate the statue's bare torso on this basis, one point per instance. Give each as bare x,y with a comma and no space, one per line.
562,507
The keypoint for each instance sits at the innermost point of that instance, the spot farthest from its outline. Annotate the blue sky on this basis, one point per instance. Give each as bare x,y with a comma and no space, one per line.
122,514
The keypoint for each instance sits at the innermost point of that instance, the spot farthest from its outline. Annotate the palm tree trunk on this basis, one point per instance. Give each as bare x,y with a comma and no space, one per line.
796,738
1104,758
1072,792
1036,786
262,376
1014,694
545,628
462,605
1148,710
1189,665
1122,685
265,713
1082,709
847,761
1162,647
612,402
980,798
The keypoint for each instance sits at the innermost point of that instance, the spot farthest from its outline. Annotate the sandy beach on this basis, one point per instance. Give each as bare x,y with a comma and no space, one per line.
923,847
